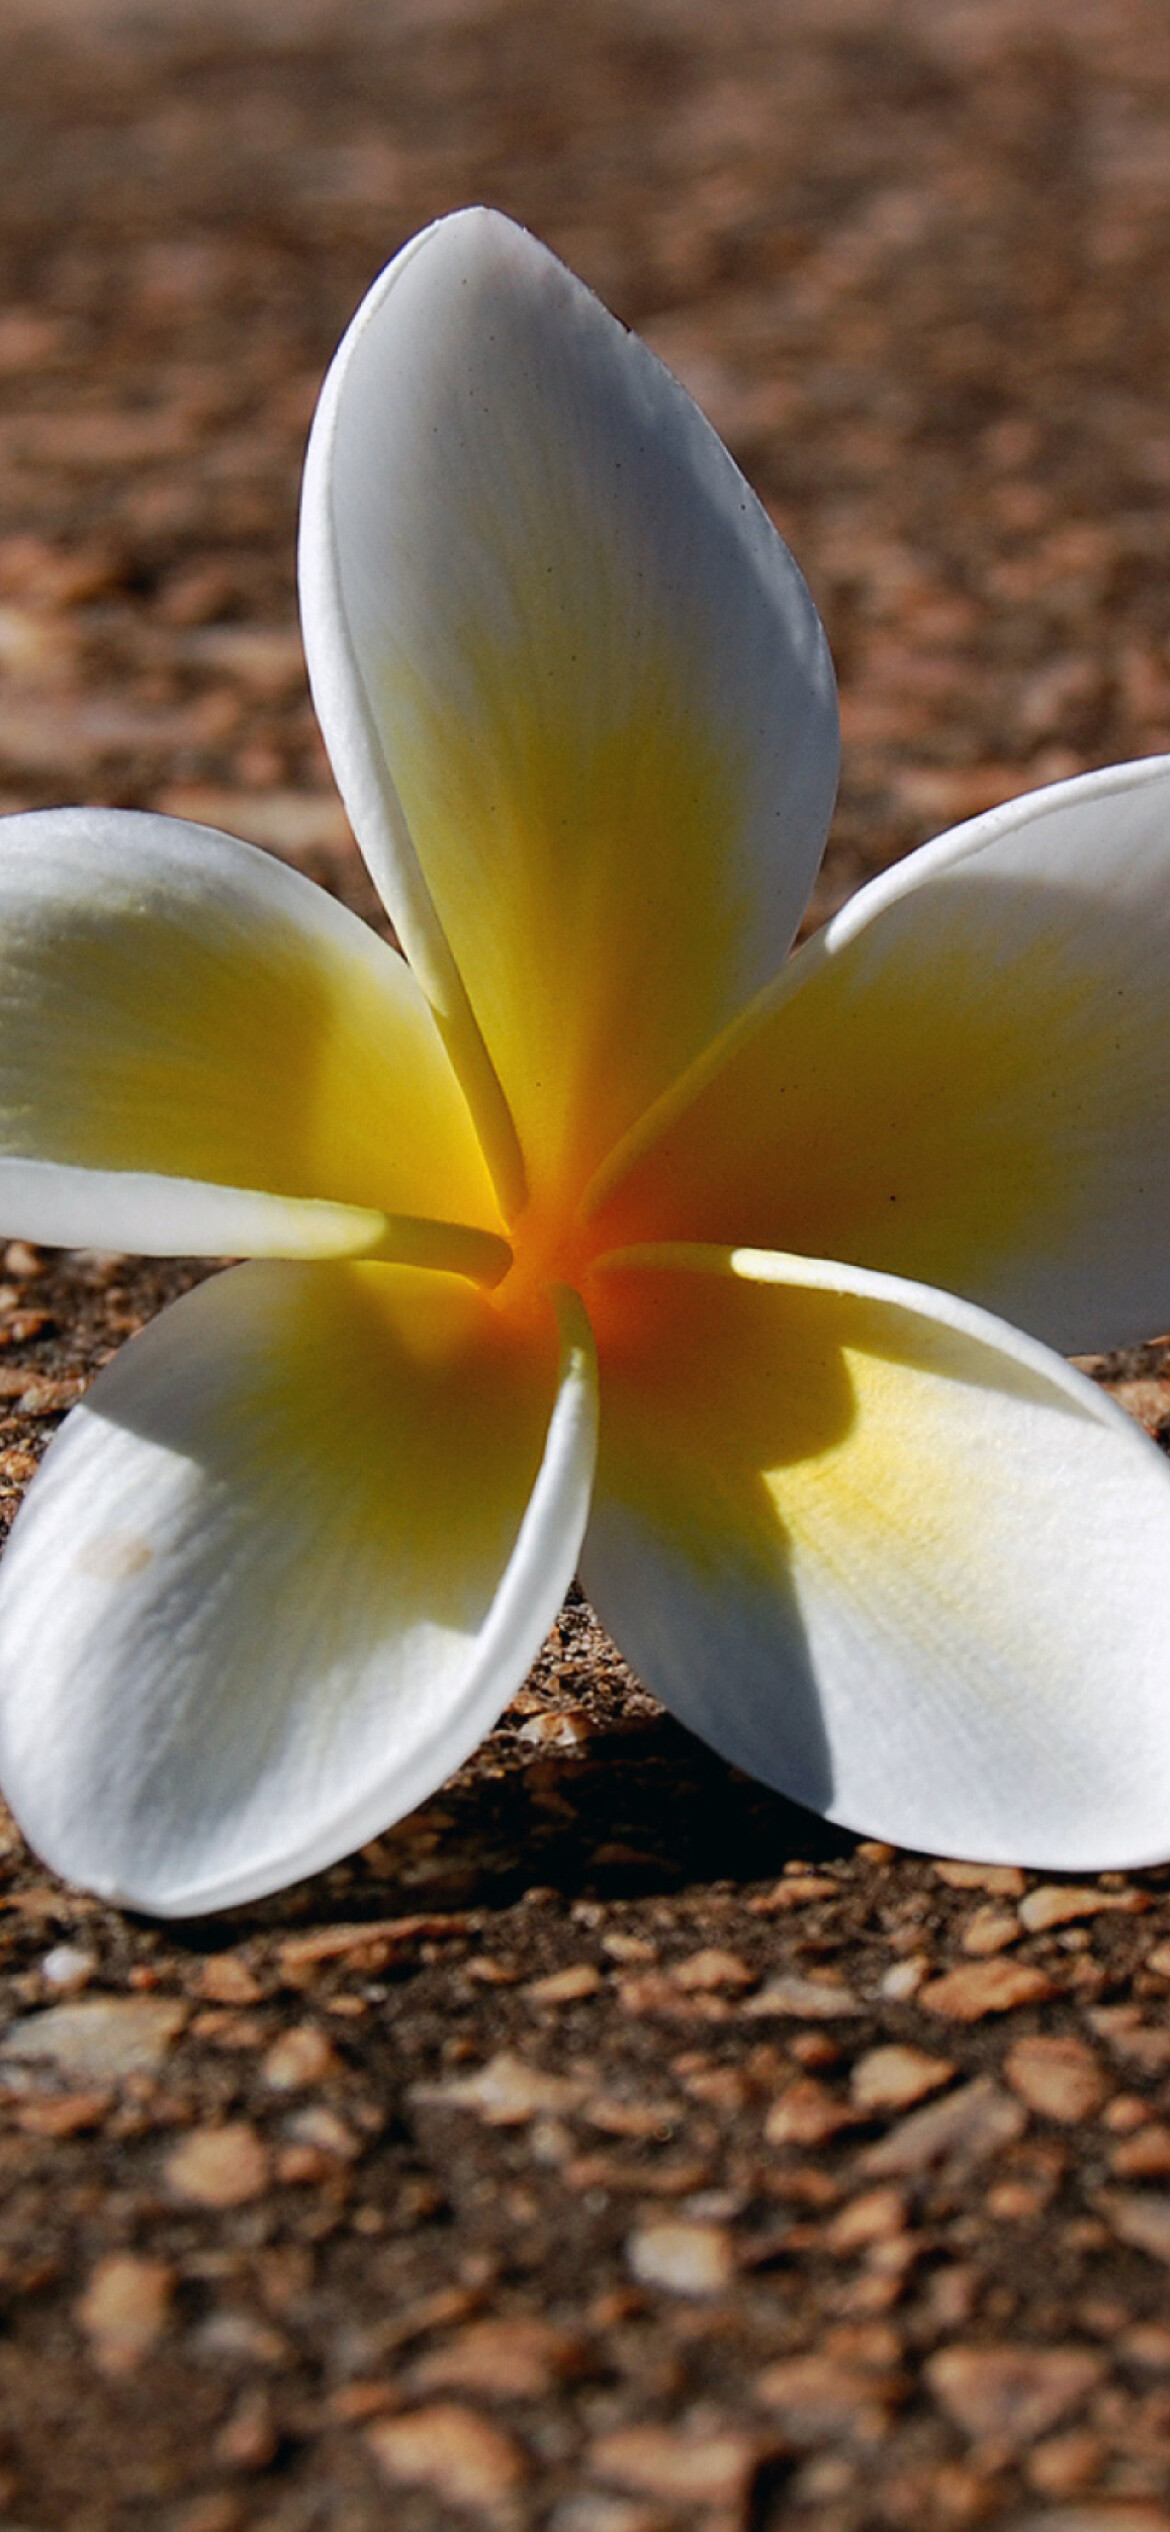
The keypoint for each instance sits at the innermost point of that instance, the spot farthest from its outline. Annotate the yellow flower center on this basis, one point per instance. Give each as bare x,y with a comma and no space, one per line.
549,1246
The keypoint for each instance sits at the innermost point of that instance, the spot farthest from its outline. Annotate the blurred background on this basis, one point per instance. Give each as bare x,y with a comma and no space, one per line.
909,254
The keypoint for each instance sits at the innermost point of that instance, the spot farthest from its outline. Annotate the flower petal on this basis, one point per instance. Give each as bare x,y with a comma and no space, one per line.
536,588
281,1570
963,1080
203,1052
886,1554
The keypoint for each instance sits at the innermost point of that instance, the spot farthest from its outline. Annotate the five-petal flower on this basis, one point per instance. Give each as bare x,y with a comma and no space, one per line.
599,1137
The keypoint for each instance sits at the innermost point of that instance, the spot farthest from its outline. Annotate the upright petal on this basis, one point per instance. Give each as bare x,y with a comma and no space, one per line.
964,1080
202,1052
575,691
280,1572
886,1554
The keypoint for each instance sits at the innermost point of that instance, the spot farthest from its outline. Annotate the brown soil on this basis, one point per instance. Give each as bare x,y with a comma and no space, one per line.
537,2167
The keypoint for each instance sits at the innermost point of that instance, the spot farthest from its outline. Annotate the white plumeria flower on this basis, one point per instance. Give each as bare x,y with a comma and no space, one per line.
292,1555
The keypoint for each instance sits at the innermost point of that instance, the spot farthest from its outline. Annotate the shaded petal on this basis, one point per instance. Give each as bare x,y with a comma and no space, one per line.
280,1571
886,1554
259,1070
536,589
964,1079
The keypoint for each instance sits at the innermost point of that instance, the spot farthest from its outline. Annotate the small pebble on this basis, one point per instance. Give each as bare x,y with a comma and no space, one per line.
67,1969
227,1980
303,2166
461,2457
685,2258
618,2117
878,2215
819,2399
225,2027
124,2310
823,2479
815,2048
249,2438
807,2113
904,1978
1140,2217
1062,1903
1057,2075
103,2037
551,2142
715,2468
43,1395
301,2056
520,2359
1123,2029
1016,2393
995,1986
565,1986
320,2127
1144,2156
63,2113
657,1991
1017,2201
1065,2464
707,1972
218,2167
563,1730
990,1930
488,1972
381,1936
1147,2343
813,1999
233,2339
23,1262
895,2077
505,2092
1003,1881
964,2128
799,1890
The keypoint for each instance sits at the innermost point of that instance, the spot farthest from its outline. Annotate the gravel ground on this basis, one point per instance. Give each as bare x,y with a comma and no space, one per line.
609,2148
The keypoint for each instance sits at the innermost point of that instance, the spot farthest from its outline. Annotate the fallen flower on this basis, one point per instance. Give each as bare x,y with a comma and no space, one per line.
295,1550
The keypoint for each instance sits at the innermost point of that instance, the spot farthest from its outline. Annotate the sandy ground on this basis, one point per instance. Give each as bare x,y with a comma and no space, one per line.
610,2148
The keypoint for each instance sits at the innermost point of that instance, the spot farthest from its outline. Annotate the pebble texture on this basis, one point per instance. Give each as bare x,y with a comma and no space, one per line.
609,2148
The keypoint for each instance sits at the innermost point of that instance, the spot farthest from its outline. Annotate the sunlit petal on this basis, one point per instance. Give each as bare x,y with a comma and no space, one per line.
154,1215
281,1571
965,1079
257,1068
538,591
886,1554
